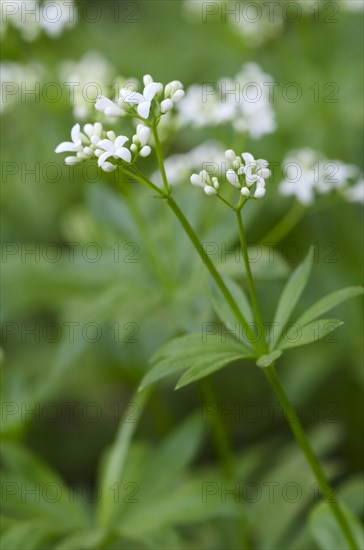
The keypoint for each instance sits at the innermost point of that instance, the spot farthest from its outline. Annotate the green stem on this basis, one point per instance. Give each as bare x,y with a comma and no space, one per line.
256,310
285,225
158,150
302,440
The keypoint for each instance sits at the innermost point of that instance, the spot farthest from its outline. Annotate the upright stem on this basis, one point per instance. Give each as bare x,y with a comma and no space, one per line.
256,310
158,150
290,412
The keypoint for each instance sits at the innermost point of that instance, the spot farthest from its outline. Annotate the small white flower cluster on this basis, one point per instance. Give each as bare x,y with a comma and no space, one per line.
247,175
133,102
32,17
242,101
309,174
95,142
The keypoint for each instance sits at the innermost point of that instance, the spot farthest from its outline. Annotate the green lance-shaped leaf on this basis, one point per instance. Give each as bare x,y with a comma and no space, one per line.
114,464
313,332
328,302
291,294
202,354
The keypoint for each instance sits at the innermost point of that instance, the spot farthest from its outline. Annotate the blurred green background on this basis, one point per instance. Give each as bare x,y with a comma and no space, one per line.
48,208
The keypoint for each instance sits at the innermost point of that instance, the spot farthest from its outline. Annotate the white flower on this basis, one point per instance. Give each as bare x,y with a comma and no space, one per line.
244,175
209,185
83,143
144,100
112,147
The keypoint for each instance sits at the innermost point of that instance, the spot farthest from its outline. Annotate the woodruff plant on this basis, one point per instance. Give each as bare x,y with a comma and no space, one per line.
190,355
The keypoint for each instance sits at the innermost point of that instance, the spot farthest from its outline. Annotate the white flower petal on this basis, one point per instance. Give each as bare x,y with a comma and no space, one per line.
245,192
196,179
166,105
265,173
119,141
66,147
143,133
179,94
124,154
132,97
151,90
75,133
107,145
108,167
71,161
210,190
259,193
232,178
248,158
103,157
144,109
145,151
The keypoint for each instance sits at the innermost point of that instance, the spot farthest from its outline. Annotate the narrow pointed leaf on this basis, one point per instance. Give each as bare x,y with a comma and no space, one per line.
291,294
309,334
208,365
328,302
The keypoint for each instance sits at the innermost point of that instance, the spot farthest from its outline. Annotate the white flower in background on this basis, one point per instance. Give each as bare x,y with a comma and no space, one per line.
254,22
112,147
355,193
209,184
57,16
242,101
179,166
310,7
247,173
83,143
307,174
86,78
353,5
141,140
31,17
14,77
